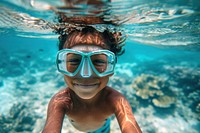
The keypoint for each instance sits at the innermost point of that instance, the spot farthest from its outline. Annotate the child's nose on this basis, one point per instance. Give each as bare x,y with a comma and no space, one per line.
86,70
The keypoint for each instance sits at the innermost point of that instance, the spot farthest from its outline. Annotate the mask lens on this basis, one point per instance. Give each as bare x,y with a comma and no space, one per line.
100,62
72,62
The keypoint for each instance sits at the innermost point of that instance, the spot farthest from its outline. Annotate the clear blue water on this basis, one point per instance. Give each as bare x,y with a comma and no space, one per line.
162,55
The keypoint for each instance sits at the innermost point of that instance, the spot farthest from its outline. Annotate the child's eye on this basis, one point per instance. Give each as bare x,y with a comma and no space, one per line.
98,62
73,61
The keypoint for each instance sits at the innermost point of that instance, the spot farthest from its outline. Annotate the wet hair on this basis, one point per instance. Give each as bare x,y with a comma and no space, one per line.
88,35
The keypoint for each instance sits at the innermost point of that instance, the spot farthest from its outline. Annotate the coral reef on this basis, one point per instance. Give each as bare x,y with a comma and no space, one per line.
163,101
21,118
188,80
154,89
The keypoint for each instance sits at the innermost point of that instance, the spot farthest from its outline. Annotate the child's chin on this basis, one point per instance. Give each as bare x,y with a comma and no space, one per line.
86,95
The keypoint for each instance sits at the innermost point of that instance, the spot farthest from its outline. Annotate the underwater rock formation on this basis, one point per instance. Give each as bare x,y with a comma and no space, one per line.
21,118
154,90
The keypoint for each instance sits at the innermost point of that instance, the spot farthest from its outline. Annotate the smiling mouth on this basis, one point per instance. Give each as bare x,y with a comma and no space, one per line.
86,86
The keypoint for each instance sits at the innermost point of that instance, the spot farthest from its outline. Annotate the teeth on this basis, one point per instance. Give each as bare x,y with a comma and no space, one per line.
85,85
80,86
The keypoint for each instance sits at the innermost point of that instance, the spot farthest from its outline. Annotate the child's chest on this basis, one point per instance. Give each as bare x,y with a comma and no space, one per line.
86,119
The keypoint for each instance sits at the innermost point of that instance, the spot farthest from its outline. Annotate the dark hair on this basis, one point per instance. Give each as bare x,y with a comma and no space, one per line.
89,35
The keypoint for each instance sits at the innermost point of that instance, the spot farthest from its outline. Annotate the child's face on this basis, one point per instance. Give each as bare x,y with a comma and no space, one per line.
86,87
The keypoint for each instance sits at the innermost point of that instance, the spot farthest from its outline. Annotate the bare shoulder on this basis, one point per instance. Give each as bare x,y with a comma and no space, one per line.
62,99
113,94
58,106
115,97
123,112
62,93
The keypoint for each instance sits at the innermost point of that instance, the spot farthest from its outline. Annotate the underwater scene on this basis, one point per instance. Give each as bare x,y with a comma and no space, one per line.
159,73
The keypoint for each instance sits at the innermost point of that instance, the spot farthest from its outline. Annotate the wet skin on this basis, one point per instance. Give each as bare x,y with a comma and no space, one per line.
89,114
88,102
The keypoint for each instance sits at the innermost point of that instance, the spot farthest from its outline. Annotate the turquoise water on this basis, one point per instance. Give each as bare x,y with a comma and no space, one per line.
159,73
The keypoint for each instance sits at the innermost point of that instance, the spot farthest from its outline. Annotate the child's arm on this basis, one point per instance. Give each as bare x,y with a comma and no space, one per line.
125,117
56,111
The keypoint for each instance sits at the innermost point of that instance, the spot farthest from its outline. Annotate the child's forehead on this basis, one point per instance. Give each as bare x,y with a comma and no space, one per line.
87,47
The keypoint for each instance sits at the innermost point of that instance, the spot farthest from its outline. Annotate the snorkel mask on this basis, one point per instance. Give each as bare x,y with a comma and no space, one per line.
71,62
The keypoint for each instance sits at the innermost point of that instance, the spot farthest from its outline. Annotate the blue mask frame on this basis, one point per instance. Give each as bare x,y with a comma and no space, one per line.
86,67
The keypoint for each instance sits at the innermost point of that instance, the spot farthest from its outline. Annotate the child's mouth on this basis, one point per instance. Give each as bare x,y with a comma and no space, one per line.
86,86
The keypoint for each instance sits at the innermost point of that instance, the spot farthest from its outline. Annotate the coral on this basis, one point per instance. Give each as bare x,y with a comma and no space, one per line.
164,101
20,119
198,108
117,82
154,88
188,84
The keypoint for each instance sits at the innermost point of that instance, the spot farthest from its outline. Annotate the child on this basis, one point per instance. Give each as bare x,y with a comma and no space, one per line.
87,59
